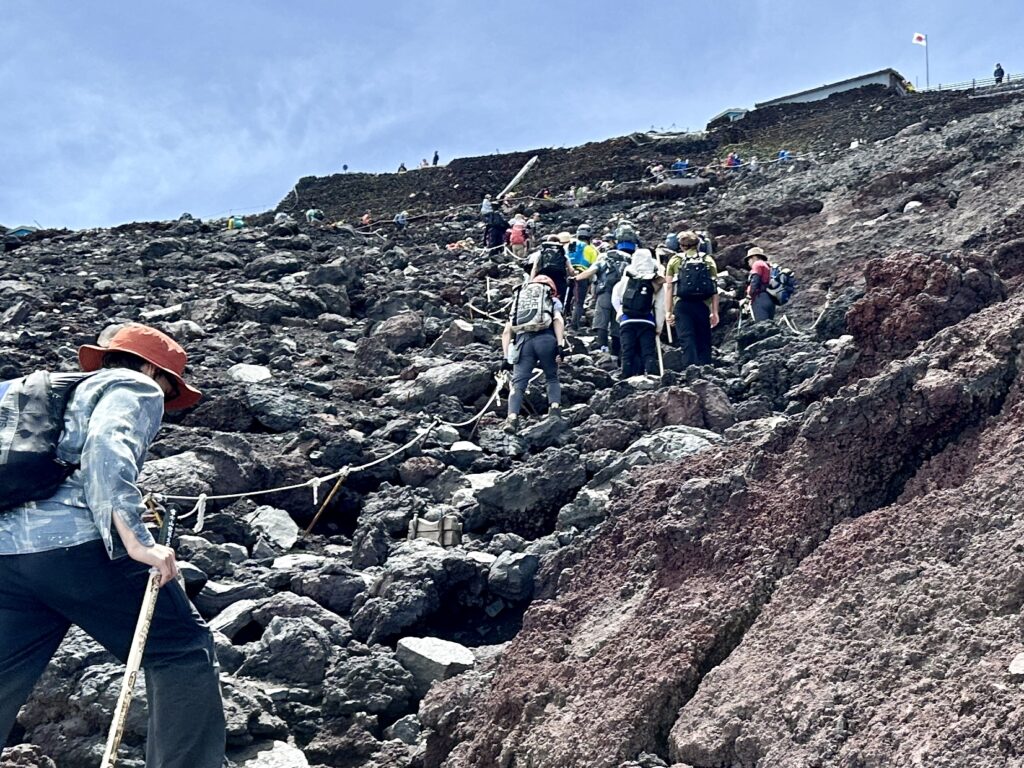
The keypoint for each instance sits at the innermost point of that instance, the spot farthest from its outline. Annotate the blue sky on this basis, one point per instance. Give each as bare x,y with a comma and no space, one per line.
115,111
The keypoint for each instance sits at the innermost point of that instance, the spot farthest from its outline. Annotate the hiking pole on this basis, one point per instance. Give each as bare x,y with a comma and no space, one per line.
138,646
124,699
661,360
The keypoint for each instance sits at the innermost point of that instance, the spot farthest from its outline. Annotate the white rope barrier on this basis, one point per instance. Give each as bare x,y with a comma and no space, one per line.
501,380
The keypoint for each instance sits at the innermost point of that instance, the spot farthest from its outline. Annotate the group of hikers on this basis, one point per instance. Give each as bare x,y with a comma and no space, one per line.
636,294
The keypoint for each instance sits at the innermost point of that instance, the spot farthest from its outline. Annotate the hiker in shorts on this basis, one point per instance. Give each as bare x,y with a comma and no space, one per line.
607,271
761,303
529,349
83,555
691,303
634,299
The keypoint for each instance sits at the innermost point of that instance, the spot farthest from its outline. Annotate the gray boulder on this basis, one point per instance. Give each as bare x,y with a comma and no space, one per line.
511,575
275,525
429,659
292,650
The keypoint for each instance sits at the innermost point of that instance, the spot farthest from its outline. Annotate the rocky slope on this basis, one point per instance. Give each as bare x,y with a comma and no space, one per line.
806,554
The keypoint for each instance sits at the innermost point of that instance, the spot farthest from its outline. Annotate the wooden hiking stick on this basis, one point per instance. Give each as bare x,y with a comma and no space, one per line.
124,700
661,360
167,524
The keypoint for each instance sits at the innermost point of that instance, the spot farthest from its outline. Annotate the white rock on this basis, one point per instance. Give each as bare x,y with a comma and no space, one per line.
300,562
429,659
912,205
272,754
1017,665
249,374
276,525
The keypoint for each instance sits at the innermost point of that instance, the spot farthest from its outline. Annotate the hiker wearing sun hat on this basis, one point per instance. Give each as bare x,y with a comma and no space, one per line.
62,558
761,304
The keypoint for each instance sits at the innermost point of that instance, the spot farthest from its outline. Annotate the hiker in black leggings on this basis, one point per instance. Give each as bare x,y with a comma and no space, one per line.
538,348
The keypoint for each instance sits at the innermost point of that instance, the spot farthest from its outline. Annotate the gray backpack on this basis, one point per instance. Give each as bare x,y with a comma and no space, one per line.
532,309
31,424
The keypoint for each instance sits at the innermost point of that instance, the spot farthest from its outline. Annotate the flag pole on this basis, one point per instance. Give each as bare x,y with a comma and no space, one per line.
927,75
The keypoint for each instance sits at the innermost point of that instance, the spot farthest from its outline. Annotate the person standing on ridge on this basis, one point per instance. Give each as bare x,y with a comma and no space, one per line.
999,74
691,304
436,158
761,304
83,555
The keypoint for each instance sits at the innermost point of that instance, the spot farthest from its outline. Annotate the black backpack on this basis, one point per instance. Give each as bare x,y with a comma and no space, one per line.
638,298
611,272
552,259
694,280
31,424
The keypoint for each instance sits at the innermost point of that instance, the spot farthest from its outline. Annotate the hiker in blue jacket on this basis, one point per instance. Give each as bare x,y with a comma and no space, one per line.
83,556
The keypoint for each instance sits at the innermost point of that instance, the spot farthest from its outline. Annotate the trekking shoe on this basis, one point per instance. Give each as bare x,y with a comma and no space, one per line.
511,425
555,411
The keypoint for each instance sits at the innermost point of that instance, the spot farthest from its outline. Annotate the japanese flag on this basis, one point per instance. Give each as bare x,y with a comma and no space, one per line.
920,39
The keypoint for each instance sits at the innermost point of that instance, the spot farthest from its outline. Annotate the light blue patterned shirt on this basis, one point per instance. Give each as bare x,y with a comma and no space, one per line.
112,418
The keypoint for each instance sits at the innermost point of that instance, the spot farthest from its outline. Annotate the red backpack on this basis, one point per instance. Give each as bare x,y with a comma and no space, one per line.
518,236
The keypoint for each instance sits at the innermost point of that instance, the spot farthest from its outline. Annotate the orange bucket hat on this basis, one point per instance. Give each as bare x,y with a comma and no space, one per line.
154,347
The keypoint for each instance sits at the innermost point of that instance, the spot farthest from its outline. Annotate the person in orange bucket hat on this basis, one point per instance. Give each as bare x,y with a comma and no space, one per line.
62,564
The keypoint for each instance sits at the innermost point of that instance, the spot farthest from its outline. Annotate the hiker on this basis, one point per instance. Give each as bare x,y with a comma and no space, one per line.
691,304
516,236
538,329
533,229
366,220
761,304
607,271
494,229
486,206
553,261
402,168
581,256
680,167
401,220
436,158
63,558
314,216
999,74
784,156
633,299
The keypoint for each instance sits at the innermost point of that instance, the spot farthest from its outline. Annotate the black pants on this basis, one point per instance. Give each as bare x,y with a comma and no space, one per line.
639,353
763,307
561,282
535,349
693,329
43,594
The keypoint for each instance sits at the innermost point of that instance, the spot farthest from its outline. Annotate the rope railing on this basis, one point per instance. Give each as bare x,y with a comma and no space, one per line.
501,380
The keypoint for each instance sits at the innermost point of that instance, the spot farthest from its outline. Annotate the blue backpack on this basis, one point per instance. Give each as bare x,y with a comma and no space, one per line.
781,284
